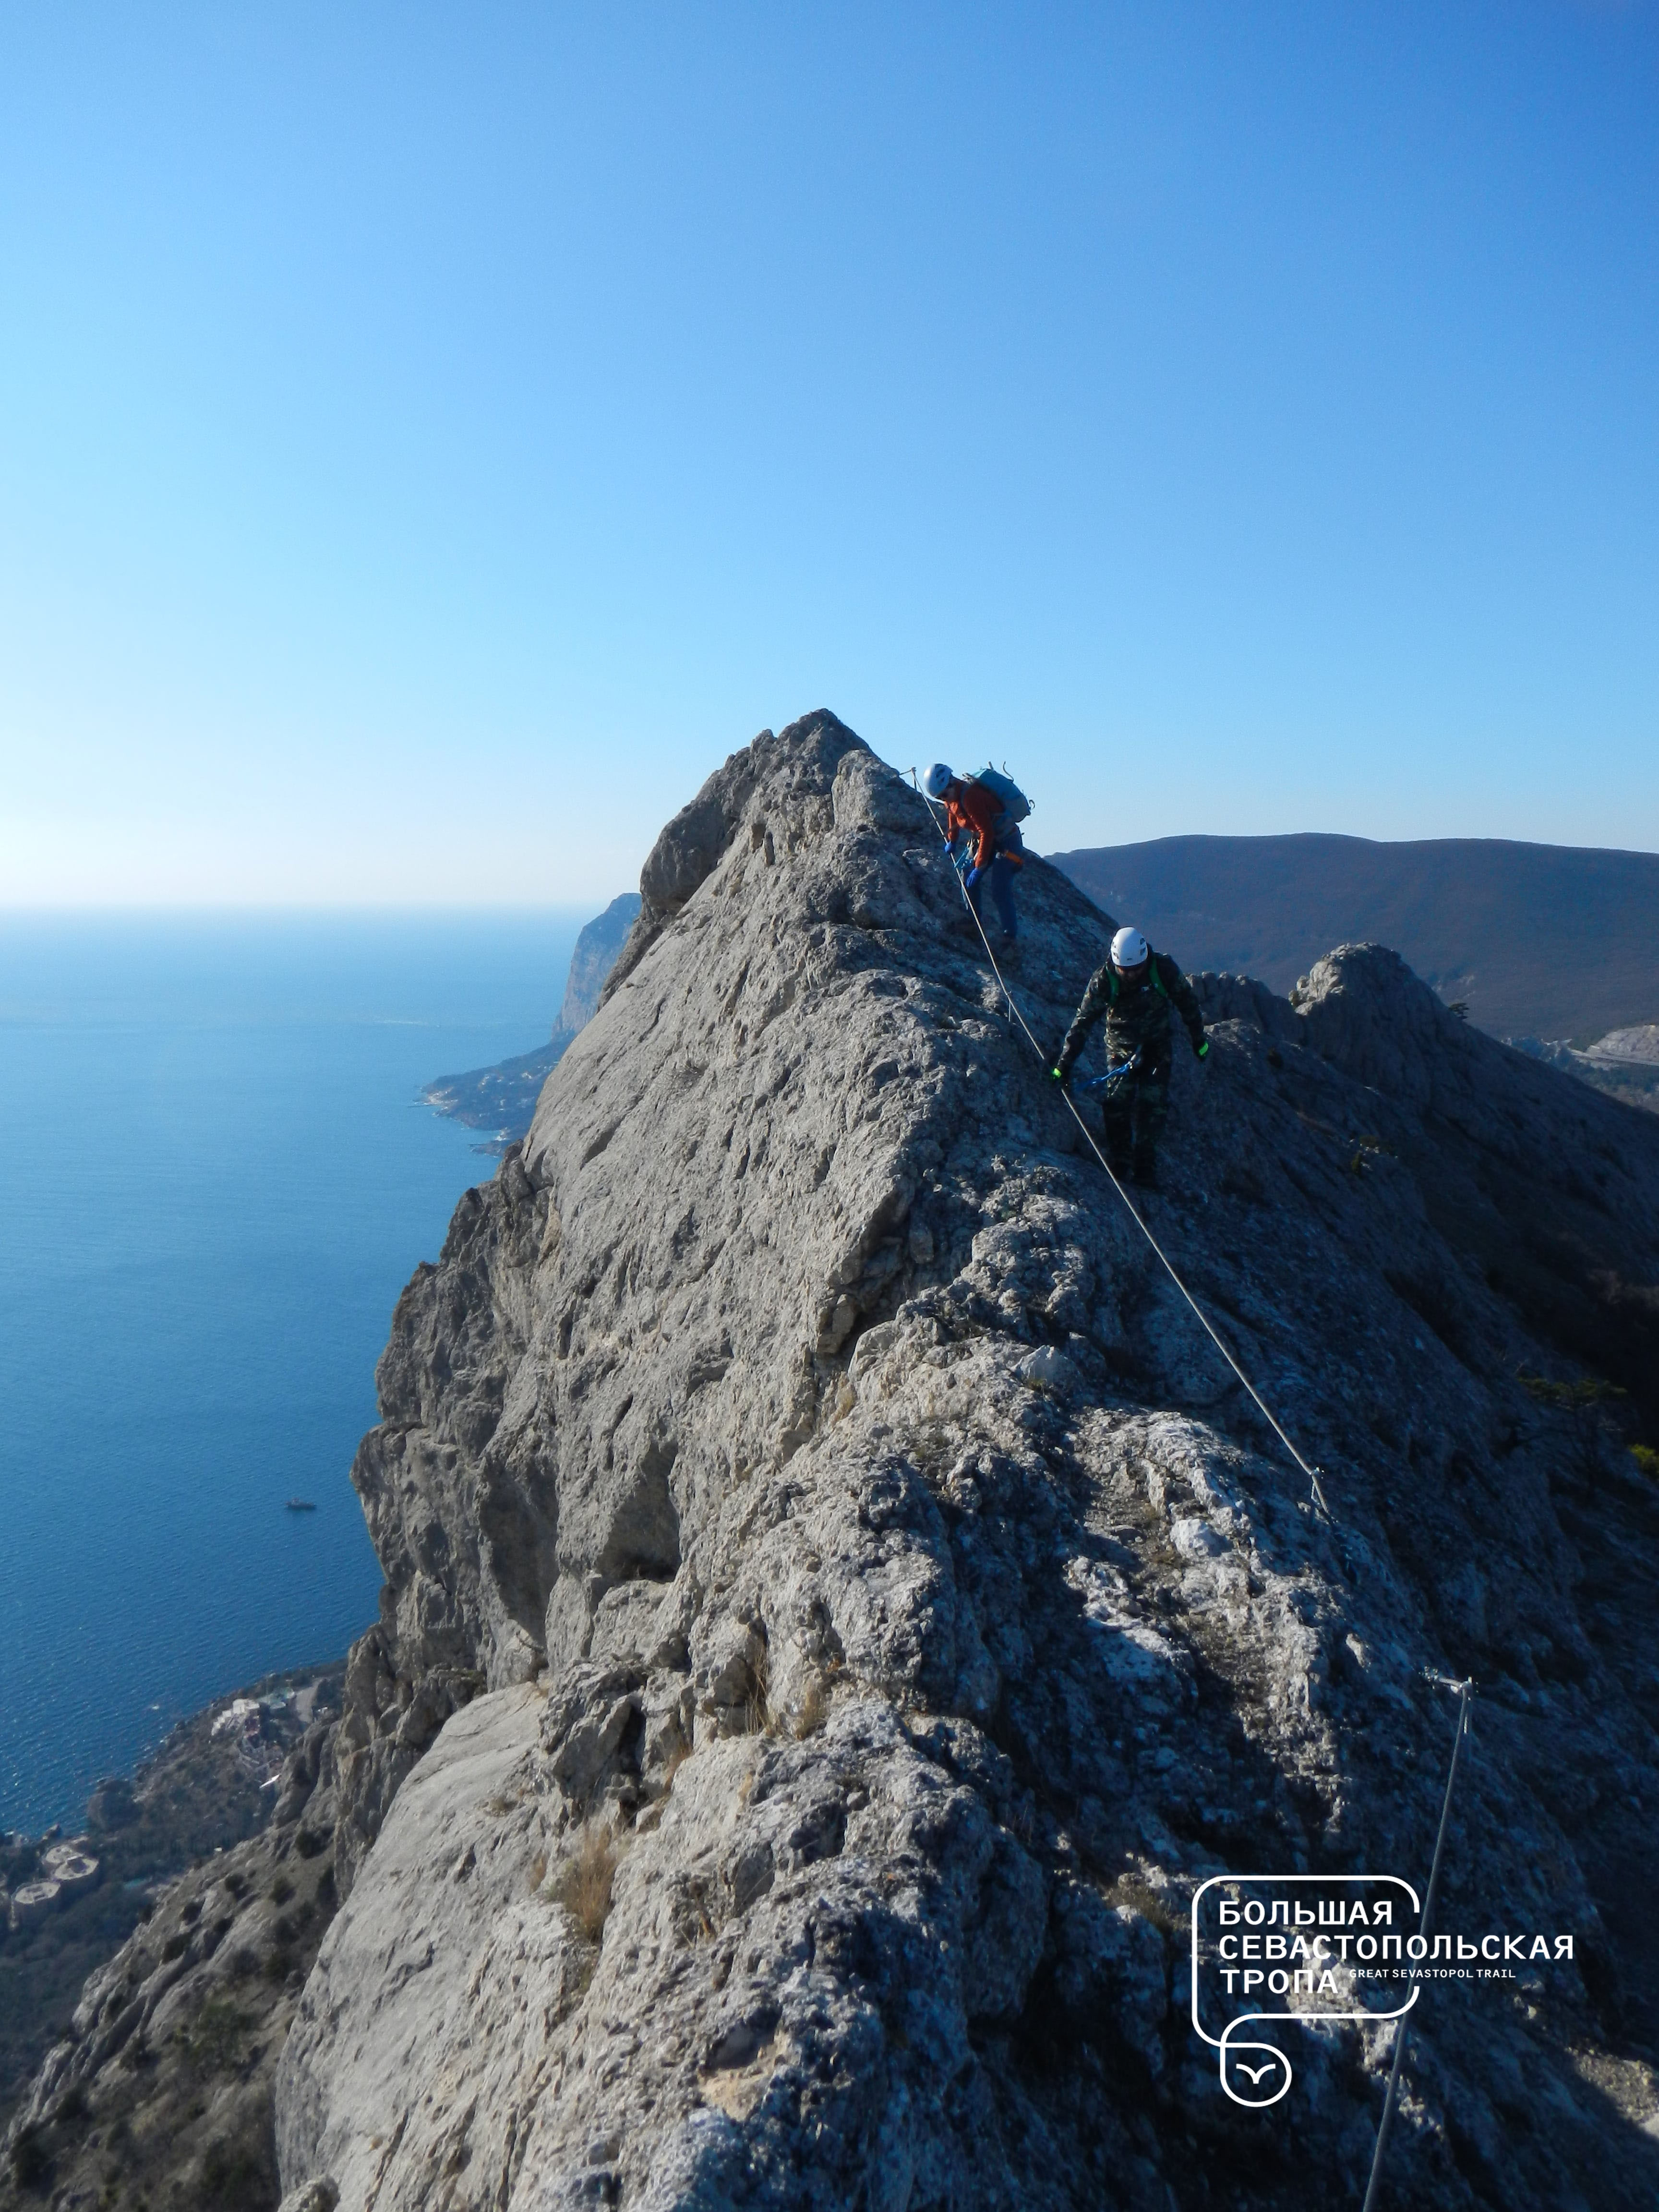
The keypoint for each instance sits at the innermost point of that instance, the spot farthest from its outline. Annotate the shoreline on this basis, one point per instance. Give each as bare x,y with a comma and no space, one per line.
208,1785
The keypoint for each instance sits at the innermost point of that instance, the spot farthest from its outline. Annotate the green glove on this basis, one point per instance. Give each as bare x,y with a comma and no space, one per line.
1204,1050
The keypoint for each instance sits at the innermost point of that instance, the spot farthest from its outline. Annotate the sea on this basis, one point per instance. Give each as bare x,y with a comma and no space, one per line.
215,1177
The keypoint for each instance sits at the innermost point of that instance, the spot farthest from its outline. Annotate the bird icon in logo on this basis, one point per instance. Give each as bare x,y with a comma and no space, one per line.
1257,2074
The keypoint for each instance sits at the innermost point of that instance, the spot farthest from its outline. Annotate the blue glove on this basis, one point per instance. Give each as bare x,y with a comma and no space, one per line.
972,876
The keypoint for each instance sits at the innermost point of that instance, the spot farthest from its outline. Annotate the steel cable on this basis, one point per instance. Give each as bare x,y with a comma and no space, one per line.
1016,1014
1464,1691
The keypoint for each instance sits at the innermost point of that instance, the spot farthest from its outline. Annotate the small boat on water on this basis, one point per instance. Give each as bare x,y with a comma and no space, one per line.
302,1506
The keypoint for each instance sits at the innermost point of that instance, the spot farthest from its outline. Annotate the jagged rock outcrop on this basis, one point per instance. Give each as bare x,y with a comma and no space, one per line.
1624,1063
887,1608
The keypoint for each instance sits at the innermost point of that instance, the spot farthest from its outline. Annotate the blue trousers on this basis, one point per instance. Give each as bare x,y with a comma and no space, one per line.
1001,876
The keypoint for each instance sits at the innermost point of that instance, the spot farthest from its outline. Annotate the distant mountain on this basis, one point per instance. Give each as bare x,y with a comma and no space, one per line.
501,1098
1540,941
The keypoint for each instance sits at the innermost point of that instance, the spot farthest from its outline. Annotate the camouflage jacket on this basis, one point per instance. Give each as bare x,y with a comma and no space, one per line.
1134,1019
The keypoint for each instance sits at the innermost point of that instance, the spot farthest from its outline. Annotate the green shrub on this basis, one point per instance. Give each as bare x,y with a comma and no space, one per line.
236,2171
215,2042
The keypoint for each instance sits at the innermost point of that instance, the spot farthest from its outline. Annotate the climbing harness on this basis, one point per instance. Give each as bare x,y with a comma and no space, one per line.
1465,1691
1014,1015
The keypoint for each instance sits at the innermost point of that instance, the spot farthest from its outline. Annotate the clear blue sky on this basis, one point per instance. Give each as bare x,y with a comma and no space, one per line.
430,438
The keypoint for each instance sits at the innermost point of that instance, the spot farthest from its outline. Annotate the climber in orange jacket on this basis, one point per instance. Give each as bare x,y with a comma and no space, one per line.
972,809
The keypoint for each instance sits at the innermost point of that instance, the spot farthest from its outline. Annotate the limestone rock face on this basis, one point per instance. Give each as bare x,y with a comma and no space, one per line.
1639,1045
840,1605
447,1926
1625,1064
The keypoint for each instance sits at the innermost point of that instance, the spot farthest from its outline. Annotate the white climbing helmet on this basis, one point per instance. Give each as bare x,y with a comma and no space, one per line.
937,780
1129,949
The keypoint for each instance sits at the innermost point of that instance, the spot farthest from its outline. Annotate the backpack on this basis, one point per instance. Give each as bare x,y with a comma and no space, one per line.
1156,980
1015,803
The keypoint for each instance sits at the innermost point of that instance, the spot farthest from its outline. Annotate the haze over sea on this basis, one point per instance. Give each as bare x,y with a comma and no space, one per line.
215,1177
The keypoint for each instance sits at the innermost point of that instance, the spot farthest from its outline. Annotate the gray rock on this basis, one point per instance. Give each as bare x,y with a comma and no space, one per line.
320,2196
1112,1972
451,1934
1625,1064
840,1605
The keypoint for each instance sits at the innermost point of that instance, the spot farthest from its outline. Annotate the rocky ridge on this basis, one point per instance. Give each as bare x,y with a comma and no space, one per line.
840,1607
1624,1063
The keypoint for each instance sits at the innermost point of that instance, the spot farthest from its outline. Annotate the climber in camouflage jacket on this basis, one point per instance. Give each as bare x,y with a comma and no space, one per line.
1133,992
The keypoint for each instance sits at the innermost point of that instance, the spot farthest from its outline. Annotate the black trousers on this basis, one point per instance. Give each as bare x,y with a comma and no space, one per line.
1137,1103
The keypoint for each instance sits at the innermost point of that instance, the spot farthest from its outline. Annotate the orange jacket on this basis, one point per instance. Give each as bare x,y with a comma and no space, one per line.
971,807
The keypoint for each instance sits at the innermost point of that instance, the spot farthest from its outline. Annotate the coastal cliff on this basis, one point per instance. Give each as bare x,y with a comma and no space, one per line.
502,1097
840,1606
